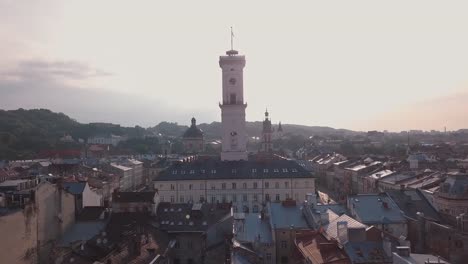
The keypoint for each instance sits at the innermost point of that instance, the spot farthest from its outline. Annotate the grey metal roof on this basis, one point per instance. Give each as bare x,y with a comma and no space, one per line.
285,217
74,187
82,231
375,209
413,201
252,229
213,169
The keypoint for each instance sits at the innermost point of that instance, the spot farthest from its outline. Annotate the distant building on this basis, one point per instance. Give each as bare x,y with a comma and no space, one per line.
106,140
193,139
452,197
267,133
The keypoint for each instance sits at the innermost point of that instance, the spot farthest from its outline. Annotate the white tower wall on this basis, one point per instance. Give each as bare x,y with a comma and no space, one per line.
234,141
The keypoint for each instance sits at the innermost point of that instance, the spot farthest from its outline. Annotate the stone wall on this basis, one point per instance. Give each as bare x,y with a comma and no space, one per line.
19,233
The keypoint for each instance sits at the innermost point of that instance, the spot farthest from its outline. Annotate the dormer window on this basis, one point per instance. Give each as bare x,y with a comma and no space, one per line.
265,170
192,171
254,170
182,172
234,171
174,172
213,171
276,170
202,171
285,170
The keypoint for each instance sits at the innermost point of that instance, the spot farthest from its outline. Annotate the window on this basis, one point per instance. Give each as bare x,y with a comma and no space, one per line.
267,185
174,172
275,170
255,209
213,199
172,198
268,257
244,185
254,170
233,98
294,170
265,170
234,209
286,184
234,171
190,244
284,244
287,196
213,171
234,186
277,198
223,198
162,198
296,196
202,198
234,198
172,187
190,186
285,170
192,171
255,197
212,186
177,245
255,185
244,197
277,185
181,198
202,171
223,186
182,172
267,197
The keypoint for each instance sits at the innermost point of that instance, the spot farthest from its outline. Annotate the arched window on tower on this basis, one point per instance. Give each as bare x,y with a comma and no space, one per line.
233,98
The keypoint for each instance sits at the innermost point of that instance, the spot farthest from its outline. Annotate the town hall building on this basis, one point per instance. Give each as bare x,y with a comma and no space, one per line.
246,180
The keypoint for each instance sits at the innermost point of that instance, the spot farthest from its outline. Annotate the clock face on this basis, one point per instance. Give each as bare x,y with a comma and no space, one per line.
232,81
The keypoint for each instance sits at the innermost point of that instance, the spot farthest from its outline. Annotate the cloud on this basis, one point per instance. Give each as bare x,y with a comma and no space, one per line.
44,84
52,70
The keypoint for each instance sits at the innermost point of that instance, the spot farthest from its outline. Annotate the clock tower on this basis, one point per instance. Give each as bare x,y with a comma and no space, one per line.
234,133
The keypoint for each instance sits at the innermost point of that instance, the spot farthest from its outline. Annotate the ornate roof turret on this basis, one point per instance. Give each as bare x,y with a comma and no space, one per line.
193,131
280,128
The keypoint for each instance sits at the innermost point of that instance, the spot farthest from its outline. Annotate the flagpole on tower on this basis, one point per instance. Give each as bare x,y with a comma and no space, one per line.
232,39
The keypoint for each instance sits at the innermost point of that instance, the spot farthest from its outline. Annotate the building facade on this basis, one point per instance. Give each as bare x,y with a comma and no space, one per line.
247,184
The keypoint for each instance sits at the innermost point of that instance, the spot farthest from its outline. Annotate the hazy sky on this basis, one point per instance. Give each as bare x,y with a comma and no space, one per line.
361,65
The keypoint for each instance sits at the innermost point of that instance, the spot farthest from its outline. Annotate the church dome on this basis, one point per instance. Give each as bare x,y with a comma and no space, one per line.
193,131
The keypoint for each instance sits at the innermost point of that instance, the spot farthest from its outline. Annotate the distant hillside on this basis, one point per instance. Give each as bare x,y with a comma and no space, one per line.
24,133
213,130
